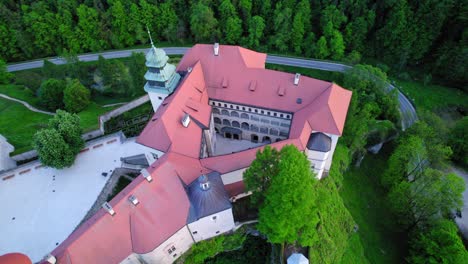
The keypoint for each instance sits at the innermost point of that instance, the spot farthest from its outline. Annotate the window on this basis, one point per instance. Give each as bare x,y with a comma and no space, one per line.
244,116
214,218
230,106
171,250
262,112
281,115
275,123
195,232
216,111
155,156
225,105
256,110
268,113
250,109
234,114
237,107
175,255
217,232
235,124
274,114
159,97
243,108
245,126
265,121
287,116
225,112
217,120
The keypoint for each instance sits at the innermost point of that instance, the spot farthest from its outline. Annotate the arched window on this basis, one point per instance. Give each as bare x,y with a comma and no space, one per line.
226,122
254,128
274,132
283,133
235,124
264,130
245,126
215,111
217,120
245,116
234,114
225,112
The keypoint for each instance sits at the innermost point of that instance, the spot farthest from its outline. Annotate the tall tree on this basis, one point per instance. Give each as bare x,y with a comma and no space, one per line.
120,36
258,176
76,97
203,23
289,212
256,29
89,29
281,26
5,76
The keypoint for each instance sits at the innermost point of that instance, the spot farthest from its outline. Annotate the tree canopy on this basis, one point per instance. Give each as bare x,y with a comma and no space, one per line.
58,144
76,97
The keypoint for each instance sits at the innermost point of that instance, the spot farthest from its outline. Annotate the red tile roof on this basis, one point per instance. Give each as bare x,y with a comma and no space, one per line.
237,75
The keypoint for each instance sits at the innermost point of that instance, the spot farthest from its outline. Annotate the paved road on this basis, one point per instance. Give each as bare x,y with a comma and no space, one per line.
407,110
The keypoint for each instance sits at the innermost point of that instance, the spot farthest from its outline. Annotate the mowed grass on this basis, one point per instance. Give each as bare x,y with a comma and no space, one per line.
365,200
18,124
20,92
432,97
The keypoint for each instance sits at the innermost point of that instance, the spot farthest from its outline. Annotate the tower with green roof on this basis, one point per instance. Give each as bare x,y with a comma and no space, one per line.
161,77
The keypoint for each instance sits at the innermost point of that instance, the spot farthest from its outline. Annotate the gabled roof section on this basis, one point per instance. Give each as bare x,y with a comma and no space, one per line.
162,210
166,132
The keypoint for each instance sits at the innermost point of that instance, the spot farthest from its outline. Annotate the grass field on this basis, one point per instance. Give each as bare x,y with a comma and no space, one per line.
364,198
432,97
20,92
18,124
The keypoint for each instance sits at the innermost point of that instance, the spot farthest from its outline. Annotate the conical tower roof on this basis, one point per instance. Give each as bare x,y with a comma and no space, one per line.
156,58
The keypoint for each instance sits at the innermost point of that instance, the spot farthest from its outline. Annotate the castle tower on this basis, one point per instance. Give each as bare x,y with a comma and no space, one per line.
161,77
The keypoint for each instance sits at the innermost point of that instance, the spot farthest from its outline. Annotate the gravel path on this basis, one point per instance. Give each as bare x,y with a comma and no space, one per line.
32,108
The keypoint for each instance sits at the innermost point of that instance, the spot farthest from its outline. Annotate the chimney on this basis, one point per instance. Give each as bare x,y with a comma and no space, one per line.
108,208
186,120
50,259
296,79
147,175
216,49
132,198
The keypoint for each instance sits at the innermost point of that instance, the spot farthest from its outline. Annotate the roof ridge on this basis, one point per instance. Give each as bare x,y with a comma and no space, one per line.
318,96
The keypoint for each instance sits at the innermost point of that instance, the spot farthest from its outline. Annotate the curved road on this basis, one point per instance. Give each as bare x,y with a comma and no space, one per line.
408,113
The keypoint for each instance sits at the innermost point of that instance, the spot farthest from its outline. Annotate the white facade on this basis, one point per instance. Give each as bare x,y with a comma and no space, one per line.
212,225
152,154
156,99
321,161
6,148
233,176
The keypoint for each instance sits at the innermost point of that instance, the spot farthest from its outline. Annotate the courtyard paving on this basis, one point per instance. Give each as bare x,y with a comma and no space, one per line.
41,207
228,146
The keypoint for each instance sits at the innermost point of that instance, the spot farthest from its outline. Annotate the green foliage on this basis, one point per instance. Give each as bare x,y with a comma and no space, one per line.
254,250
52,149
76,97
440,244
257,178
202,22
459,141
5,77
289,212
58,145
256,28
203,250
51,94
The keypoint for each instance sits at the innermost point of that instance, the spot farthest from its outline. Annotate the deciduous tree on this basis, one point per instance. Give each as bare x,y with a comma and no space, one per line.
51,94
76,97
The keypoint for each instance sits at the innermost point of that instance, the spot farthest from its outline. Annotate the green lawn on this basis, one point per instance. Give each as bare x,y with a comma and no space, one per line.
18,124
20,92
432,97
364,198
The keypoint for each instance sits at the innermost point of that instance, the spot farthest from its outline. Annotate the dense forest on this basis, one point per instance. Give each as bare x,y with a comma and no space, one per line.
429,35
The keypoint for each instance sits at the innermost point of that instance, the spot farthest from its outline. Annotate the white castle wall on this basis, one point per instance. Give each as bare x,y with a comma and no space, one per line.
212,225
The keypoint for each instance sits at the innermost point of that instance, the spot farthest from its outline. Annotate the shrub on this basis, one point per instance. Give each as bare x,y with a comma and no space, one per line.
51,94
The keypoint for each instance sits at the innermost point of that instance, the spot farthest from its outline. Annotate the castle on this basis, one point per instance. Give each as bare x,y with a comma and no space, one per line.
213,112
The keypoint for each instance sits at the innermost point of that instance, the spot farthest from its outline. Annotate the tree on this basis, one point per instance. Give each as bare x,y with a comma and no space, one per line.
289,212
256,28
459,141
89,29
5,76
51,94
282,27
337,46
438,244
203,23
68,126
321,49
58,145
76,97
257,177
52,149
120,36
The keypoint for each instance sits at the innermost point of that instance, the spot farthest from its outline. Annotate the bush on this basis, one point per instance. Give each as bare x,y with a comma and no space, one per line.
459,142
404,76
353,58
76,97
51,94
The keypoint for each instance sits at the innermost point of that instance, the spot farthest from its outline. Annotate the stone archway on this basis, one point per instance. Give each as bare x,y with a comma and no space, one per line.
254,138
266,139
